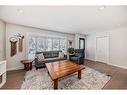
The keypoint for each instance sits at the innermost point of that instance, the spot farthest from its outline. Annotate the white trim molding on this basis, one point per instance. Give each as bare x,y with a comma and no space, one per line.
3,72
15,68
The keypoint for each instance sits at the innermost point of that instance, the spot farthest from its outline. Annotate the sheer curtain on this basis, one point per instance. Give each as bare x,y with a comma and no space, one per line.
41,43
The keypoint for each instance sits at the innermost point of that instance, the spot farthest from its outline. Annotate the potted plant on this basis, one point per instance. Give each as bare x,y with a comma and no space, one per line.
70,50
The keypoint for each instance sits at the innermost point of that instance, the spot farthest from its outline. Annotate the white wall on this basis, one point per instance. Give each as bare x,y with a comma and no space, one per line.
2,40
90,47
117,46
11,29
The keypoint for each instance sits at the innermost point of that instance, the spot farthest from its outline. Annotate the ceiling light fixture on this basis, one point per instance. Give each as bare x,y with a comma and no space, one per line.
102,8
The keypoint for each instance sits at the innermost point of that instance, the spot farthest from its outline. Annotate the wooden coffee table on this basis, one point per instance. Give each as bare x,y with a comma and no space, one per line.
61,69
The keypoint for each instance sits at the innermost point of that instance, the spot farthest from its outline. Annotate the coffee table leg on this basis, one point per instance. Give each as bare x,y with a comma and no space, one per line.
56,84
79,74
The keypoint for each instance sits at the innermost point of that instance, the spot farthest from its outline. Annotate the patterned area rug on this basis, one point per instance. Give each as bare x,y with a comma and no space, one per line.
91,79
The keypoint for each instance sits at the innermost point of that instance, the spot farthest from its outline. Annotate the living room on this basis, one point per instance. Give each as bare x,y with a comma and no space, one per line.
87,52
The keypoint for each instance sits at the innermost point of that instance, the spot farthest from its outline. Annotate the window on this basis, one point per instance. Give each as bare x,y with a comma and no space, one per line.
56,44
41,43
32,47
48,44
62,44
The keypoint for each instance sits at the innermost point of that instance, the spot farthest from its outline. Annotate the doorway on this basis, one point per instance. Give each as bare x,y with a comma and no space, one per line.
102,49
82,43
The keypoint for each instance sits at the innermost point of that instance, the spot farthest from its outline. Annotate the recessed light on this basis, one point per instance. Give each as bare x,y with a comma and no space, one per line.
102,8
20,11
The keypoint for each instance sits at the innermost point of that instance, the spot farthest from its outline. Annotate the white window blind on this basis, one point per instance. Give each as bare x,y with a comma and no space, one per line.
41,43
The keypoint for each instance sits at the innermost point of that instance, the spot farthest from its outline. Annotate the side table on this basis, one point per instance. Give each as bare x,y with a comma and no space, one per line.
27,64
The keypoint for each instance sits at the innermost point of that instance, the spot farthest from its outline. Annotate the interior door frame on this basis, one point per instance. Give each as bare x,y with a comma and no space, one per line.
96,47
84,42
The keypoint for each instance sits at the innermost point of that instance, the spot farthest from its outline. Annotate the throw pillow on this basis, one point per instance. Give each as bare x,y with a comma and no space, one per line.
61,55
40,57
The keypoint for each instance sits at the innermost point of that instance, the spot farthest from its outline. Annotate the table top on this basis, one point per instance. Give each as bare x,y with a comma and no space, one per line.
60,69
26,61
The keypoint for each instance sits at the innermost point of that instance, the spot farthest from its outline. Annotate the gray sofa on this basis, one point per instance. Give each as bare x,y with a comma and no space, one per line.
50,56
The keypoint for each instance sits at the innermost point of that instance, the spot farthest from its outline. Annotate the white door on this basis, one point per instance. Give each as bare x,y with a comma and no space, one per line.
102,49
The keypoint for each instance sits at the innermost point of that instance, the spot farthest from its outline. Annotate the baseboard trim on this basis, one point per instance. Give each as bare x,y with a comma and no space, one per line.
15,68
123,67
90,60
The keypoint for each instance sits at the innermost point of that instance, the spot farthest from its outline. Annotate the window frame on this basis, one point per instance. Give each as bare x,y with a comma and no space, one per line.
36,35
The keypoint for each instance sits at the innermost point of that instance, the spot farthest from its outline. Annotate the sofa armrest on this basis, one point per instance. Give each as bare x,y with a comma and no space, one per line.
65,56
71,55
36,61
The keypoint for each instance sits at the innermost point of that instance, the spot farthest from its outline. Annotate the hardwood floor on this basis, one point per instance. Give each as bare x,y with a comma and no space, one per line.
14,79
118,80
119,75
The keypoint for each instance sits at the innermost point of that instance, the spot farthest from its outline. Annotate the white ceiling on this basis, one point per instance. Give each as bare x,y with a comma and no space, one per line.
69,19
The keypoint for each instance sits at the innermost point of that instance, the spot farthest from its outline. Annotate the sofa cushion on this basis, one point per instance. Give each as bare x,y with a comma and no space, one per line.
47,54
76,54
74,58
47,60
61,55
50,60
55,54
40,57
40,62
51,54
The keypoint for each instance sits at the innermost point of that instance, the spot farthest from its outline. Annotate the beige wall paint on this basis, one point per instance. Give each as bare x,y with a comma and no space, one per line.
11,29
117,46
2,41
